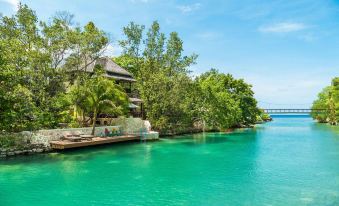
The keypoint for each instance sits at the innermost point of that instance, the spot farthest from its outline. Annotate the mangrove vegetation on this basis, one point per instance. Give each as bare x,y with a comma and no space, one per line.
326,106
44,81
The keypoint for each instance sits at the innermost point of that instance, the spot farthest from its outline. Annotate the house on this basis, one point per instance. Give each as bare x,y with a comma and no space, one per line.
124,79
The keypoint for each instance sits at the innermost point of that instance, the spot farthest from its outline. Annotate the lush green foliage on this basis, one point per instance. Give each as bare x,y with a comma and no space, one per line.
33,70
263,117
174,101
328,99
12,140
224,101
161,72
99,95
43,78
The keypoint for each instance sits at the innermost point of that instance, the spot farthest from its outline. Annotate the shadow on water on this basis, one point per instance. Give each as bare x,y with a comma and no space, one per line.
220,137
326,128
238,136
76,154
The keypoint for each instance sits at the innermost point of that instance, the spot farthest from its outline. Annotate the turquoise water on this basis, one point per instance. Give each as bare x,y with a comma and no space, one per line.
290,161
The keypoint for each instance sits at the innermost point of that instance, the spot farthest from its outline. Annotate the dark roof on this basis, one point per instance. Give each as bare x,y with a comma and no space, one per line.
112,69
117,77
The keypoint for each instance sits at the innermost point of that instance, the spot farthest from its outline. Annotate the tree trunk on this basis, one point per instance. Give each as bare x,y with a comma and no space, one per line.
83,119
75,116
203,125
94,121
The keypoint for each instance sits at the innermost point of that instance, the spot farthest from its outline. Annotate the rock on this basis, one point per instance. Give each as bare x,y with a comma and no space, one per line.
36,146
27,147
10,153
47,149
39,150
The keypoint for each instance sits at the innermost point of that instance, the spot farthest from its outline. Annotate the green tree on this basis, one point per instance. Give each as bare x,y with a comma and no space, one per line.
87,45
173,101
20,48
20,112
224,101
162,73
99,94
131,57
216,108
328,99
335,96
33,56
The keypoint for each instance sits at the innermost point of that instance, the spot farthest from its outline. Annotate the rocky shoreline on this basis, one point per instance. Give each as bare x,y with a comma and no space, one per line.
26,150
41,140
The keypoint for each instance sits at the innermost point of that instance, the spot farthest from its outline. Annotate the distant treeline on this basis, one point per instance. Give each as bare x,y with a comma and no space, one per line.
328,99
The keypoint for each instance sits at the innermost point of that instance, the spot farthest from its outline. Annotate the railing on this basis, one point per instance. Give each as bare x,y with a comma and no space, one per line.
283,111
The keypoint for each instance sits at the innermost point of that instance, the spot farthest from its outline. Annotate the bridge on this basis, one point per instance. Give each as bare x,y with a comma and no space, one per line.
294,111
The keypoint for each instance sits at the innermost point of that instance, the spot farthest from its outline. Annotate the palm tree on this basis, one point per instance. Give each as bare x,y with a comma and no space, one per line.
99,94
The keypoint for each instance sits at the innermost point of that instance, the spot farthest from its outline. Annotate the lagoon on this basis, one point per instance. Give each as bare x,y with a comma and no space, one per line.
290,161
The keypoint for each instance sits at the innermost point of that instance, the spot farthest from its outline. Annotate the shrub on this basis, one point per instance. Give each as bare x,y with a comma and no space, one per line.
12,140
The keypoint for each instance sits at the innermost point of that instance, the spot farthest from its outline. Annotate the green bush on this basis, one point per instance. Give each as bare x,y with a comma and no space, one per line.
328,100
12,140
265,116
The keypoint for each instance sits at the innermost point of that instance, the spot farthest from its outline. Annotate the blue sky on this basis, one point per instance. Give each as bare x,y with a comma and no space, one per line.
288,50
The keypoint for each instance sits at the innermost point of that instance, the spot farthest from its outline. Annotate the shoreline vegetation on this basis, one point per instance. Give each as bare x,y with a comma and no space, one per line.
328,99
45,83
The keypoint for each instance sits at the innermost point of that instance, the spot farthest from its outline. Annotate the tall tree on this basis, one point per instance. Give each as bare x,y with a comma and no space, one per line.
32,61
162,73
87,45
218,110
132,48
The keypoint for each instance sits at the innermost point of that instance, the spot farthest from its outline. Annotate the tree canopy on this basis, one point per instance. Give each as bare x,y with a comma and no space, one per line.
174,101
224,101
44,77
34,66
99,95
328,99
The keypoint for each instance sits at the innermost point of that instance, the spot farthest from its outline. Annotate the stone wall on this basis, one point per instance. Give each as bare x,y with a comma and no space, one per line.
45,136
25,150
126,126
39,141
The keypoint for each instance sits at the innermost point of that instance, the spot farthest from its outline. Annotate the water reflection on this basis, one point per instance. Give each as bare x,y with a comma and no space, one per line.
236,136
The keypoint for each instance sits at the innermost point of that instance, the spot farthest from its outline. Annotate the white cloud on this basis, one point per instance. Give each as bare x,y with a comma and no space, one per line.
13,3
189,8
284,27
